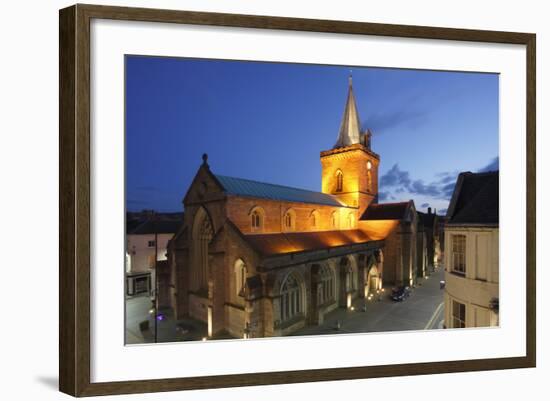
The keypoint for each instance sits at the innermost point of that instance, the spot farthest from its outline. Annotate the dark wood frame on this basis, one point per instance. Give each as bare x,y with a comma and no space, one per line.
74,203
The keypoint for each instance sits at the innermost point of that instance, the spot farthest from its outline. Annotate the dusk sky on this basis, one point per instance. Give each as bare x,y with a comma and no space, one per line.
269,121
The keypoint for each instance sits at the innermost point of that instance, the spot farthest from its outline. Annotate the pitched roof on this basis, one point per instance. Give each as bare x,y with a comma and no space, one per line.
161,223
281,243
386,211
256,189
475,199
350,127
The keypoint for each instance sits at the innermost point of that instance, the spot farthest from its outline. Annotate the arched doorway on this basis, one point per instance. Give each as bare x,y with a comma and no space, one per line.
372,281
292,303
348,281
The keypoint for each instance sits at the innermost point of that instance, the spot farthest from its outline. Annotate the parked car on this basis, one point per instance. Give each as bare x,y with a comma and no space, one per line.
399,294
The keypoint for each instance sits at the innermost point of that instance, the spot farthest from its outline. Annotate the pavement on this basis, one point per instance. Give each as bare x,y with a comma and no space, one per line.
141,326
422,310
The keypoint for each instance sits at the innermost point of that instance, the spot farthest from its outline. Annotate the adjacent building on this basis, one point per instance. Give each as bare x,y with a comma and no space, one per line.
147,236
472,252
255,259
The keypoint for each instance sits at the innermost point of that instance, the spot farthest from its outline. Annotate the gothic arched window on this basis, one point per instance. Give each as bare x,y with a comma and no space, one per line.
326,289
203,241
291,303
339,181
257,219
314,219
240,277
334,220
289,220
369,181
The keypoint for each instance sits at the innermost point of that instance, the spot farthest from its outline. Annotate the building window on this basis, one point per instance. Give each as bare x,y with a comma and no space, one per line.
334,220
240,277
351,220
369,176
128,263
256,221
151,244
350,275
289,220
291,304
205,236
339,181
459,315
349,281
369,181
458,263
314,219
326,287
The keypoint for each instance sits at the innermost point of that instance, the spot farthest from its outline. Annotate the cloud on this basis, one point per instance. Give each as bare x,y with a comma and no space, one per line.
395,176
442,212
447,178
382,195
492,166
398,181
418,187
382,121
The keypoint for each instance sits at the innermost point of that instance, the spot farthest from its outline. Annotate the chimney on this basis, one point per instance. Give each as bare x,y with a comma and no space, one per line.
429,210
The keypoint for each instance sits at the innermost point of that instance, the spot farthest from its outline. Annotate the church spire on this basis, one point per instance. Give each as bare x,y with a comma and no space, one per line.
350,128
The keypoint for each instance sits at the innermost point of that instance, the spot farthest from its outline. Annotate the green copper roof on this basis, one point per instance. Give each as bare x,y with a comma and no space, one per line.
256,189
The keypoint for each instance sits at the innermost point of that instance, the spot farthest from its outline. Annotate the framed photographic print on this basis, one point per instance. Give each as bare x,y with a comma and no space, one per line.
250,200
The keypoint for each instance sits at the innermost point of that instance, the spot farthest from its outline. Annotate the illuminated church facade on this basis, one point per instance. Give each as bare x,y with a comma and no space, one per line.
254,259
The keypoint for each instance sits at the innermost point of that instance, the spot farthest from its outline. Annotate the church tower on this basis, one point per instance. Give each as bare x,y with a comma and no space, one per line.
350,168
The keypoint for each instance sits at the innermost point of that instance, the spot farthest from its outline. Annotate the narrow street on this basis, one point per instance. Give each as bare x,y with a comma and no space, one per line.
422,310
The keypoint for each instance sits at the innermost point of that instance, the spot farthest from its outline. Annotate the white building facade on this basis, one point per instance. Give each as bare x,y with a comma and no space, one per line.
146,243
471,254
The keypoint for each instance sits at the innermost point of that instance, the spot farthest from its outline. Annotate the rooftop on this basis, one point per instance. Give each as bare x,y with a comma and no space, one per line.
281,243
138,223
475,199
386,211
256,189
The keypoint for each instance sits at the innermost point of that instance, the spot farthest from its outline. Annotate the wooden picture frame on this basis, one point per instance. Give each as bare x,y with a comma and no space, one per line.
74,205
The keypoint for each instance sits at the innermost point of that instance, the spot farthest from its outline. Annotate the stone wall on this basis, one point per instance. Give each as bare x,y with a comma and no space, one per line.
239,211
352,162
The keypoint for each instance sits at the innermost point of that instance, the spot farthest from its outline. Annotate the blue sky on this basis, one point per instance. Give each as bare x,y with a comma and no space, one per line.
269,121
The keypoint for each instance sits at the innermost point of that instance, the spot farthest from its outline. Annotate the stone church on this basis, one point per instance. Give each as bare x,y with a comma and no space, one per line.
254,259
